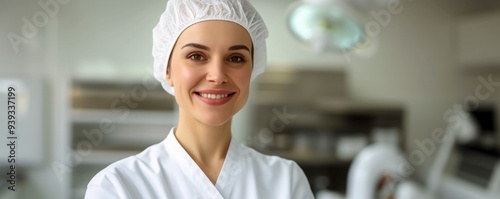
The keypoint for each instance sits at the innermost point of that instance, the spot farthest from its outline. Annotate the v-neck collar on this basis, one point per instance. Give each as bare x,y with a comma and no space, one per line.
230,168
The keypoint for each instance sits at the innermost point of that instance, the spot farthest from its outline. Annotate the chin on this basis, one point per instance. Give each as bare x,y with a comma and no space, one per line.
216,118
215,122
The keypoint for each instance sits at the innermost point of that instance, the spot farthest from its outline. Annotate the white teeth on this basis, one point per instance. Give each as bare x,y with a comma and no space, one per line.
213,96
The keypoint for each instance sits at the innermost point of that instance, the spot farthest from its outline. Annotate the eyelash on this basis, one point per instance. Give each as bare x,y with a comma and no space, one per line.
202,58
241,58
191,57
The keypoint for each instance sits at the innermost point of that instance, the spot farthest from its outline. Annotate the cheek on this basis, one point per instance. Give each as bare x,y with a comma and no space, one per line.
242,79
186,76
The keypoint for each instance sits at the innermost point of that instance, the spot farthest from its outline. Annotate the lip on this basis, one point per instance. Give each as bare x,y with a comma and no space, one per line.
213,91
215,102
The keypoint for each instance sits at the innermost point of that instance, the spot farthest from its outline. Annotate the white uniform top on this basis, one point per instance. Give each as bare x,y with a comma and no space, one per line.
165,170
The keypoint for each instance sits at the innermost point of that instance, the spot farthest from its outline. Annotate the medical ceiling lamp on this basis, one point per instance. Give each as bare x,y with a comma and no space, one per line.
326,25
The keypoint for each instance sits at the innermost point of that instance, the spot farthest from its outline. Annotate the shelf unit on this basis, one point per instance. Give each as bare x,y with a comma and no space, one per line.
111,120
307,116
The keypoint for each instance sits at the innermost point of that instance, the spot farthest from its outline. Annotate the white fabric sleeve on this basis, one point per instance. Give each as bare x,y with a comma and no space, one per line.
102,187
300,185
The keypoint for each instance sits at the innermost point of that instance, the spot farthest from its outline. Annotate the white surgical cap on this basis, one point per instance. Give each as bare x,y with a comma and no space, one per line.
180,14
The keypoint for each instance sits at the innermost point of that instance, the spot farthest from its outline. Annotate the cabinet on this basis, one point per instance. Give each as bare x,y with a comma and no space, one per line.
111,120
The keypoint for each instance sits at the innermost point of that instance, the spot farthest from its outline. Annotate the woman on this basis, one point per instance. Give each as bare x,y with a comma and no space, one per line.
205,54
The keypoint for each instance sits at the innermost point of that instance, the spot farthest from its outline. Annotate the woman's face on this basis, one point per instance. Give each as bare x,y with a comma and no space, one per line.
210,69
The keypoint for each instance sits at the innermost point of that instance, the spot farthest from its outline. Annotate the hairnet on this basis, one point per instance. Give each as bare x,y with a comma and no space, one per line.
180,14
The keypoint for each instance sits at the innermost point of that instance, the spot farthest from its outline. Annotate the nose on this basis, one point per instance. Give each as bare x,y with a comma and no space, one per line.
216,72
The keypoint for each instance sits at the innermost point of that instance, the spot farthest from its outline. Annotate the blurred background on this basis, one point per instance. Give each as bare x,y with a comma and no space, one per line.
344,77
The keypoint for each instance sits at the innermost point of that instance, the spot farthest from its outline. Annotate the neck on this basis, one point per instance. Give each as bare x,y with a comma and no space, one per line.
207,145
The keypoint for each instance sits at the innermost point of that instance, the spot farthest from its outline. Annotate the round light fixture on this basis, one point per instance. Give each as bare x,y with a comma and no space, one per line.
326,25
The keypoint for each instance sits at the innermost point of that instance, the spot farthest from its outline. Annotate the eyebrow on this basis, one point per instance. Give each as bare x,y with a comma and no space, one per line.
194,45
203,47
239,47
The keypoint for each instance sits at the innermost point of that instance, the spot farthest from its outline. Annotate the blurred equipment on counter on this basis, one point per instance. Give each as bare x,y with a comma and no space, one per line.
462,128
479,156
376,171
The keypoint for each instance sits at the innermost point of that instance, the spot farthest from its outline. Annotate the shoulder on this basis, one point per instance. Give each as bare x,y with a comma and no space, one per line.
275,166
277,172
117,179
143,161
268,160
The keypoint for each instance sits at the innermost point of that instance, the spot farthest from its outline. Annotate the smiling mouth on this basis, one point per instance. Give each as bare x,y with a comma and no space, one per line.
214,96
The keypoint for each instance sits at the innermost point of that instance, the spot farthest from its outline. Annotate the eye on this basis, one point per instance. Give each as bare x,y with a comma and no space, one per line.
196,57
236,58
